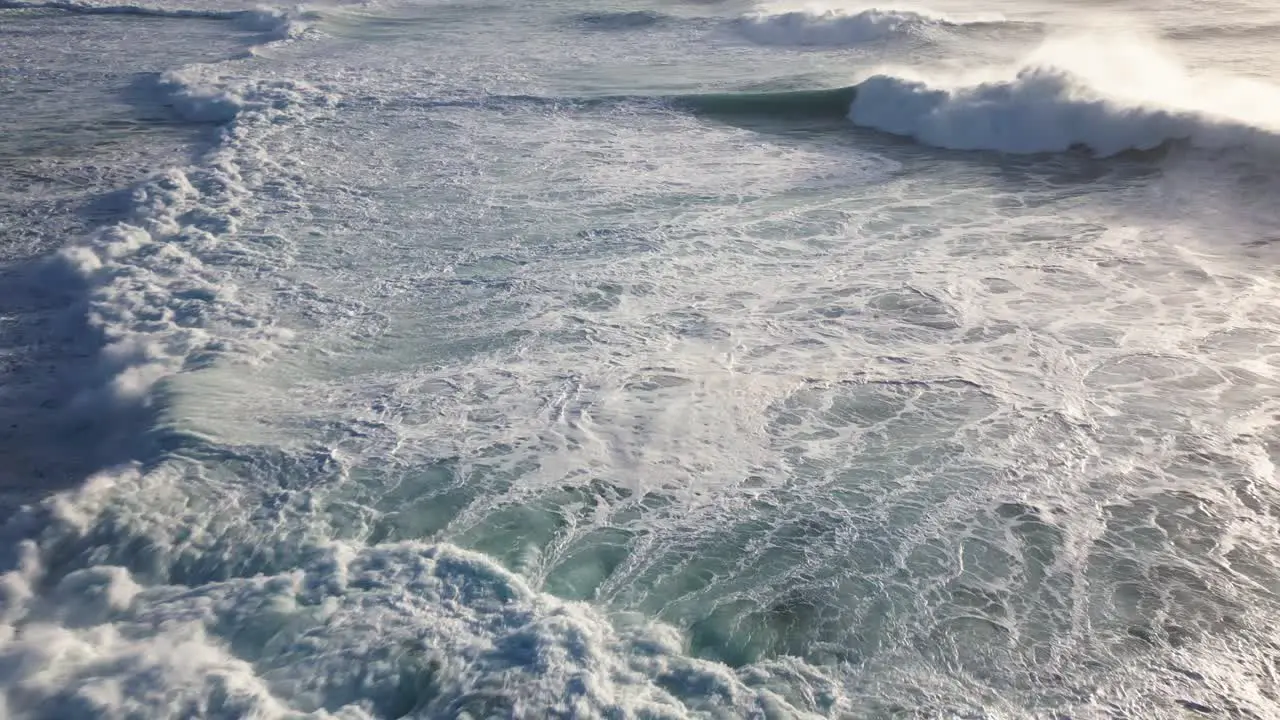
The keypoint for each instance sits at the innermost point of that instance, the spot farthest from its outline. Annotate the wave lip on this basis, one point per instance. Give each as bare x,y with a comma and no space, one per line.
1037,112
837,28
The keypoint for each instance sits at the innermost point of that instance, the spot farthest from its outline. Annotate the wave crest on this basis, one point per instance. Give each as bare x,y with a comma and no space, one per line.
1128,97
836,28
148,292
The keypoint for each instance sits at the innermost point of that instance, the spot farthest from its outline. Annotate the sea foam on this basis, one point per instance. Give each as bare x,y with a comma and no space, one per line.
1106,95
345,631
146,289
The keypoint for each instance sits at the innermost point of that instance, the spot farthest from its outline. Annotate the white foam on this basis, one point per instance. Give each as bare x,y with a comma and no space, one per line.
837,28
1108,94
275,23
695,377
352,631
148,290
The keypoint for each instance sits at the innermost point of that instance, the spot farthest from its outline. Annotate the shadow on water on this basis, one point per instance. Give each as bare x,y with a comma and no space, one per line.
55,431
83,125
57,426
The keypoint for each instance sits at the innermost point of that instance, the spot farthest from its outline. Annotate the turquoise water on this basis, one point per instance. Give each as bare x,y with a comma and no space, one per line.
668,360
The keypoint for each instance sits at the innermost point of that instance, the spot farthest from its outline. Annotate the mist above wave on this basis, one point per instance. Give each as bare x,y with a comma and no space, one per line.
1105,94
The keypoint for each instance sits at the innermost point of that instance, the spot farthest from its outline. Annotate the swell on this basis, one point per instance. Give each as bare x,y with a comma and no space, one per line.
1040,110
1101,94
620,20
839,28
274,22
1224,31
816,29
798,104
786,104
151,289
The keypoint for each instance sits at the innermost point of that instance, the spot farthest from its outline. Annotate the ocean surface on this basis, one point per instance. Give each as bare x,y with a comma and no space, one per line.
670,359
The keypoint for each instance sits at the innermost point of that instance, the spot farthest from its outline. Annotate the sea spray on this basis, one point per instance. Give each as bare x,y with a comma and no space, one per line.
1065,95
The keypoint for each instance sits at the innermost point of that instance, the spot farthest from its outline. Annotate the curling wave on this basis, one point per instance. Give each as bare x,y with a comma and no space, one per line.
1127,97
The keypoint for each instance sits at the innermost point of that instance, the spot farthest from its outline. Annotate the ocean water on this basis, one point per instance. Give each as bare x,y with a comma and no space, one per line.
673,359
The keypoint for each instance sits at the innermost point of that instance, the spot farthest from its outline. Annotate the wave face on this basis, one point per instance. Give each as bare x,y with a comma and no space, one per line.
620,20
804,104
1103,95
838,28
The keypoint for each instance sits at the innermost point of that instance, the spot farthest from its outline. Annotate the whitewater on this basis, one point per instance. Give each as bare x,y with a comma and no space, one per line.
674,359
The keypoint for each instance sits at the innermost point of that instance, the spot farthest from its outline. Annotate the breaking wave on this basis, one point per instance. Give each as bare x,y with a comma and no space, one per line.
1039,111
187,588
1106,98
332,630
157,306
838,28
1106,95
